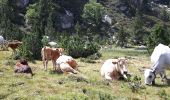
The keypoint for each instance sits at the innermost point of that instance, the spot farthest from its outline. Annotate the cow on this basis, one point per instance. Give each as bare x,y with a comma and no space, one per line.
22,67
113,69
67,64
48,53
160,59
3,43
14,45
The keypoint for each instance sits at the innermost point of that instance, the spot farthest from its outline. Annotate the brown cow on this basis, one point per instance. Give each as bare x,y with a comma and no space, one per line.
48,53
22,67
14,45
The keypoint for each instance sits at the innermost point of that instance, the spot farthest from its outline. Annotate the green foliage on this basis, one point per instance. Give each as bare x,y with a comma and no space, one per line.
31,47
92,16
79,47
8,29
135,83
122,38
158,35
162,94
49,29
31,13
45,41
164,15
138,29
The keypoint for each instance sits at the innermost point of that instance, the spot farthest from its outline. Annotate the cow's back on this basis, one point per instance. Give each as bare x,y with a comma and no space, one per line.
67,59
1,39
161,55
107,67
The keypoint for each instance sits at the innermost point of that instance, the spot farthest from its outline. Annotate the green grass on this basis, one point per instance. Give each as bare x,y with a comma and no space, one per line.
88,85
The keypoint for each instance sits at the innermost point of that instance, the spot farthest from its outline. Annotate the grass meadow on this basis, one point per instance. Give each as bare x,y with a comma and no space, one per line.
87,85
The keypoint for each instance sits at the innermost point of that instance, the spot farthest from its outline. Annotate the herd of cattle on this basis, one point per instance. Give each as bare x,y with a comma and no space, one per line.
112,69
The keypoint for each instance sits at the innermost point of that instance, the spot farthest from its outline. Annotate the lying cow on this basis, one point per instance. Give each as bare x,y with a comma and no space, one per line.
113,69
22,67
161,60
48,53
67,64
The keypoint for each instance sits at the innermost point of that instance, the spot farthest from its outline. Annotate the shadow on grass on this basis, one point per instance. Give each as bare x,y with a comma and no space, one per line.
55,72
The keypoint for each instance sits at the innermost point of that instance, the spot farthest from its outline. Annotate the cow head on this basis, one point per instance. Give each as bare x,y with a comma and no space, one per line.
149,77
122,63
23,61
61,50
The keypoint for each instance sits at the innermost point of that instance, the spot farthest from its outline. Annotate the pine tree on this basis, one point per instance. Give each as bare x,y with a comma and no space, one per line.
158,35
8,29
138,31
122,37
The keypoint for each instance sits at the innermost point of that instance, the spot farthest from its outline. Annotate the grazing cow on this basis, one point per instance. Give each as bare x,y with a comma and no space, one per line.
22,67
67,64
113,69
48,53
14,45
161,60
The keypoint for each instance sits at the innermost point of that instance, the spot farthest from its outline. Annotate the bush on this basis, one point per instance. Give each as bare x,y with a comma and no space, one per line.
158,35
79,47
31,47
135,83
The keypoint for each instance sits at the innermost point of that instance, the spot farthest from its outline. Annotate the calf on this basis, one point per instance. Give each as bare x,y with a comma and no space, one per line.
22,67
48,53
14,45
113,69
67,64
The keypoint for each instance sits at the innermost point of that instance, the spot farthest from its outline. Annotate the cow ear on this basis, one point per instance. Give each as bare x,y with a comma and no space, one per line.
57,49
126,60
115,61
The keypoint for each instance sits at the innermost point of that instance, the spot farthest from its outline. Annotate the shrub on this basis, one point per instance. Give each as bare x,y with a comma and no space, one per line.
158,35
78,47
135,83
31,47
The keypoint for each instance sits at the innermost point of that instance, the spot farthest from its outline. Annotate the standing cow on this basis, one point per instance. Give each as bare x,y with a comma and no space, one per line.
161,60
113,69
48,53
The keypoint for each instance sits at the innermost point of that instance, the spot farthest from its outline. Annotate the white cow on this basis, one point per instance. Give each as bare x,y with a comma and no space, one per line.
113,69
3,43
67,64
161,60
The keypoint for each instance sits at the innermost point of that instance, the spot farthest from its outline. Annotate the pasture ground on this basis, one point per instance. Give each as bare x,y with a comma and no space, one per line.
47,85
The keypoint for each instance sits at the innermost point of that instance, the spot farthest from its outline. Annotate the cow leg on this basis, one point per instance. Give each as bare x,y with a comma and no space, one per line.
108,76
43,63
54,65
46,63
163,76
